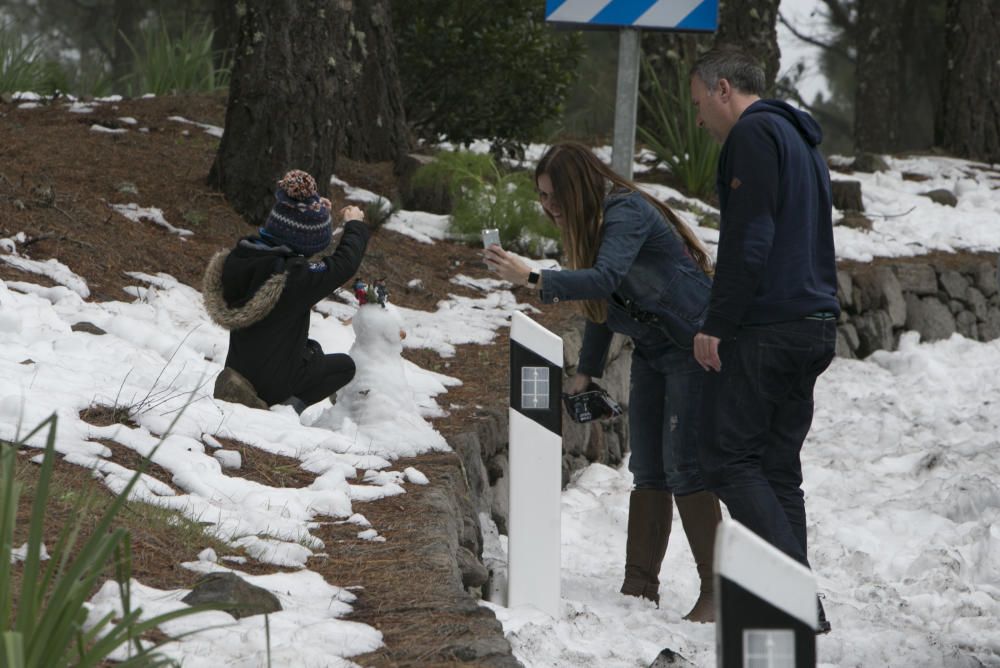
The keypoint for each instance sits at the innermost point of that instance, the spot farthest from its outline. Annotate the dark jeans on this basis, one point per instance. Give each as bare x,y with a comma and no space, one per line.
322,375
759,408
663,413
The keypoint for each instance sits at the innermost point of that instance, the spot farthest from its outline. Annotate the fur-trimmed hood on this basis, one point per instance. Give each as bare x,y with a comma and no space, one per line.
254,307
254,310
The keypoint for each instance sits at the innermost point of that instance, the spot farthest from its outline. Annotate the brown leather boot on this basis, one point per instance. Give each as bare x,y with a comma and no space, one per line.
650,512
700,515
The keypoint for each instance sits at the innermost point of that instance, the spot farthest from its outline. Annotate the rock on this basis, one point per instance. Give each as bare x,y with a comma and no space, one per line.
668,658
941,196
954,283
474,574
843,348
920,279
434,198
466,446
965,323
987,279
88,327
847,196
880,289
234,595
844,287
928,316
869,163
850,334
233,387
990,329
977,303
855,221
874,332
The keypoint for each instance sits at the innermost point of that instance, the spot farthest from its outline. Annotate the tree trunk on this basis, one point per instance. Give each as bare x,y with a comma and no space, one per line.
225,24
969,123
311,80
898,67
880,74
751,25
376,125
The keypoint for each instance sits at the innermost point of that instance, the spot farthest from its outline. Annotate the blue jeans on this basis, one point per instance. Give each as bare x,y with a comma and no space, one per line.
663,413
759,408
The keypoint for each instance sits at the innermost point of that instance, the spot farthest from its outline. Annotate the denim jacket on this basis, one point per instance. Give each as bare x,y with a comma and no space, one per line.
642,262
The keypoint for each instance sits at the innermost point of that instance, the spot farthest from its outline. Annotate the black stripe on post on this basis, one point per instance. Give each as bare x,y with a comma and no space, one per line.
551,417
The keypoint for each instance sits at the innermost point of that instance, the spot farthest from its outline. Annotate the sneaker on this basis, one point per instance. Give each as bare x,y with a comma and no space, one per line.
233,387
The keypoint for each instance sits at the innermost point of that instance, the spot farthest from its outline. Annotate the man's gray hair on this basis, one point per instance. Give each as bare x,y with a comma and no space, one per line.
733,64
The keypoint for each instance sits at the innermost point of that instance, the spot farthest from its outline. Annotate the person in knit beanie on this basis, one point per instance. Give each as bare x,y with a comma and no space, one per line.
300,218
263,290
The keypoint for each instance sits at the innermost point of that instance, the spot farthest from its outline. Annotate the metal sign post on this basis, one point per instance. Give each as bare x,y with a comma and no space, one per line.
626,102
630,16
533,549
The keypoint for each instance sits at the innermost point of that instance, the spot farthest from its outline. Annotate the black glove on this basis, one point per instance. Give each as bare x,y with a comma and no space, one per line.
591,404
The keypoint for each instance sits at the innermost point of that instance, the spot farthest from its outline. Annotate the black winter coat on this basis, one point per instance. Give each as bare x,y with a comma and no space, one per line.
264,295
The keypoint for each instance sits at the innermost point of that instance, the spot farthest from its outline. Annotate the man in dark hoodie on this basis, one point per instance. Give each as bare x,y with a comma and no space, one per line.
771,324
263,291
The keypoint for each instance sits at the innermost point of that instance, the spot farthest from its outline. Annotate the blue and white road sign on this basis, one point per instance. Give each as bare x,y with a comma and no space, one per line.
692,15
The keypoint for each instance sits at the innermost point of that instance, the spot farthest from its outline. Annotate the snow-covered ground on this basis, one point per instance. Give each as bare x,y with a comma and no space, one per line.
901,472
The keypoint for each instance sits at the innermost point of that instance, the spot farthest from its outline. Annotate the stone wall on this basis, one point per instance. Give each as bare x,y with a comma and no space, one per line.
483,448
936,296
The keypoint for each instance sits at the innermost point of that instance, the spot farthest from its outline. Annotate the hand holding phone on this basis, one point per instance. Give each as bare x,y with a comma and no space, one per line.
491,235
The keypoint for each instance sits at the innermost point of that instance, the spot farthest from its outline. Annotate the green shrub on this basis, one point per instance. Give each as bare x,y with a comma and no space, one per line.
473,70
21,65
673,134
44,625
184,64
485,196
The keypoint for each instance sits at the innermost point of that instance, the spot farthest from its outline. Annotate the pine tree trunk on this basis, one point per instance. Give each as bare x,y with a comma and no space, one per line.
752,25
225,25
311,80
880,76
376,122
969,123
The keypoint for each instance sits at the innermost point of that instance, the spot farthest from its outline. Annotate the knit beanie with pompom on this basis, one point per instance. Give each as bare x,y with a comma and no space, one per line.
298,218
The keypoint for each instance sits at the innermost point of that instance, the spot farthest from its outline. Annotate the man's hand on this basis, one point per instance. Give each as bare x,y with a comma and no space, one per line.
706,352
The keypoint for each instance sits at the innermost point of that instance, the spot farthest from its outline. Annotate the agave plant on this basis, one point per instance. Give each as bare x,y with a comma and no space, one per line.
485,196
673,134
46,625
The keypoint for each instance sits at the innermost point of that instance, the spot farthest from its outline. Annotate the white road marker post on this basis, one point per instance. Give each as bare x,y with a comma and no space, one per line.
765,603
535,449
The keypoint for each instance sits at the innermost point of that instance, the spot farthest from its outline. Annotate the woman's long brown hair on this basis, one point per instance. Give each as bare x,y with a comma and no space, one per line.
580,182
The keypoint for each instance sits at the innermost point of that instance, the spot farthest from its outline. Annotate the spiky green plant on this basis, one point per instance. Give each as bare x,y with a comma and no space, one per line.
21,65
181,64
45,625
673,134
486,196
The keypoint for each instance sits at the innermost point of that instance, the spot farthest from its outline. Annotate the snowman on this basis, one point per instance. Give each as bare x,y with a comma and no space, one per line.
377,409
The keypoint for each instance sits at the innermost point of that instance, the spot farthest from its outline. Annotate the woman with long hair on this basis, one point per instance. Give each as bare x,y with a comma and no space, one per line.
638,270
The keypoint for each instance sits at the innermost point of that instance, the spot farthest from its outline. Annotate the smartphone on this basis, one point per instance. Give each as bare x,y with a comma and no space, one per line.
491,235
